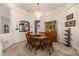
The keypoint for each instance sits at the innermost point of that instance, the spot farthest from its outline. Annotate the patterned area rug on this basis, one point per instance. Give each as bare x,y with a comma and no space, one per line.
19,49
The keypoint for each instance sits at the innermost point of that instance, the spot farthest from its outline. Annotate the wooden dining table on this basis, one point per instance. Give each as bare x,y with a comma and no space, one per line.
41,39
41,42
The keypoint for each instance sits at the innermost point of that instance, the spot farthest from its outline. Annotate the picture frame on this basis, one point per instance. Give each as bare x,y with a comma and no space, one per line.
50,26
24,26
70,16
70,23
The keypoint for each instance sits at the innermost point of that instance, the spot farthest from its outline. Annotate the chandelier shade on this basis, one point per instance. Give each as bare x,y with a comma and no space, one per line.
38,12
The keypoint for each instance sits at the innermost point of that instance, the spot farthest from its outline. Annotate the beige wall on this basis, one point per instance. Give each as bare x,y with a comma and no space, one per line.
61,19
14,35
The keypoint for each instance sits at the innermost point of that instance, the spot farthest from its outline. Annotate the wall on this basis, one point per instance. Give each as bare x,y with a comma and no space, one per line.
60,17
14,36
78,25
4,21
4,13
17,15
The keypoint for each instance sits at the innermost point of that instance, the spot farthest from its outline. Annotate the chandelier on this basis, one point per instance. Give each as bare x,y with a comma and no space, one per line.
38,12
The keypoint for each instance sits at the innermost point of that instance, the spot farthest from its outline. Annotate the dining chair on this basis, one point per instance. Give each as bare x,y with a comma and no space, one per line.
46,45
35,43
51,38
28,43
27,40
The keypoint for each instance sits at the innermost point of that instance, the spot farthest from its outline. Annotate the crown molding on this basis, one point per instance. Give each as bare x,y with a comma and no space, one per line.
17,10
59,10
20,11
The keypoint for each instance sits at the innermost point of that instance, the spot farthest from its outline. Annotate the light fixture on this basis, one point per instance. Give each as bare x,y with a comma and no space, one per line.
38,12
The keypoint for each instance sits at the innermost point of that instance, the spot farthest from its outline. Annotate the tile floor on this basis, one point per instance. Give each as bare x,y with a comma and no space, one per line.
19,49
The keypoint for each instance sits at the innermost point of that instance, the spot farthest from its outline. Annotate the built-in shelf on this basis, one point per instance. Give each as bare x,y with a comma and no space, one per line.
68,37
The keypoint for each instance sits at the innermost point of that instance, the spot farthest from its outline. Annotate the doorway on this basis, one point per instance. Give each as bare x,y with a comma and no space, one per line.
37,26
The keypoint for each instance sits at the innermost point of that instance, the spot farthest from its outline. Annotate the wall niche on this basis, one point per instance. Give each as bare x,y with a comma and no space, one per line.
4,25
4,19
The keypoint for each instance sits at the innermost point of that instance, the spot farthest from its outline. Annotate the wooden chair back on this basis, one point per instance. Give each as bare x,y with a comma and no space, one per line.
28,36
51,35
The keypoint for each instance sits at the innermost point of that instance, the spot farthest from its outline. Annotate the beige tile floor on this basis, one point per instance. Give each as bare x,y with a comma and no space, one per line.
19,49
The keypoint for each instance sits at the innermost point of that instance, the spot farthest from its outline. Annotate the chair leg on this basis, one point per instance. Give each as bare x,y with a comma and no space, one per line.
26,45
31,48
49,51
52,48
35,50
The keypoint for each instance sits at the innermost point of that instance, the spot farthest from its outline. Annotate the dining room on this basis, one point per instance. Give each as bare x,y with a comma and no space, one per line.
39,29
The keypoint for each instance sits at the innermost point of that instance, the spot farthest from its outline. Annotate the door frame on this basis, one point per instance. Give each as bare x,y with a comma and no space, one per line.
36,25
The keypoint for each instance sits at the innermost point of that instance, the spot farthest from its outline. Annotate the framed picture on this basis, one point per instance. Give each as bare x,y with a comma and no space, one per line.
24,26
70,16
50,26
70,23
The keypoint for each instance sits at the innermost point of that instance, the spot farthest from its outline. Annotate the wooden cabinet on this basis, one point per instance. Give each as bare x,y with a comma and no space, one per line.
51,29
51,35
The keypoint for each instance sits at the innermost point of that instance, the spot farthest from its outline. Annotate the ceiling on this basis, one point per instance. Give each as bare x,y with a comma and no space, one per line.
44,7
